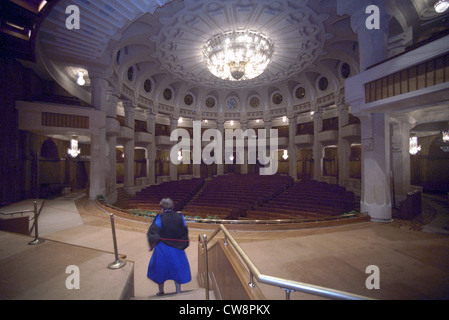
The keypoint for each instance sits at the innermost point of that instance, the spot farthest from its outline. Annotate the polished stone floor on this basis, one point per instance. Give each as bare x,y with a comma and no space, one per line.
412,259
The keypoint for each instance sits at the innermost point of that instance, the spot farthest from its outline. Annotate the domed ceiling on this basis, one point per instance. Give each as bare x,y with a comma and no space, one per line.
151,52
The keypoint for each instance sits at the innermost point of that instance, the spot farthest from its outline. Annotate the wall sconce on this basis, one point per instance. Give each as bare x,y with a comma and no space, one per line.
414,147
81,80
73,151
445,140
441,6
285,155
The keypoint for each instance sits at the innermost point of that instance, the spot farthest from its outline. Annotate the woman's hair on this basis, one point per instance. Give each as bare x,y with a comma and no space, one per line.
166,203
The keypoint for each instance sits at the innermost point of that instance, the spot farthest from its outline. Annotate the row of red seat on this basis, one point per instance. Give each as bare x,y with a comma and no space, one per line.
231,196
181,192
307,198
239,196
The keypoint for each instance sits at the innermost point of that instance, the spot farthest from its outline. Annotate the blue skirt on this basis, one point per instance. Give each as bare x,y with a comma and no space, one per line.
168,263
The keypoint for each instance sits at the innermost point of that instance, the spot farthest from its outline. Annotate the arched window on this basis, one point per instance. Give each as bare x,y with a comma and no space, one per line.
49,149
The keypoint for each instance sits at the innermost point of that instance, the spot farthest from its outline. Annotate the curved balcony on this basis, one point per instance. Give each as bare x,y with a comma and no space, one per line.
163,141
304,140
328,137
126,133
112,127
143,138
351,132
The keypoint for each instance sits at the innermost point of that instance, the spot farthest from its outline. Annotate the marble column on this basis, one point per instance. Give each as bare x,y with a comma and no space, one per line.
111,139
318,151
376,172
400,160
344,147
151,147
372,41
220,167
244,166
97,182
173,167
128,179
292,149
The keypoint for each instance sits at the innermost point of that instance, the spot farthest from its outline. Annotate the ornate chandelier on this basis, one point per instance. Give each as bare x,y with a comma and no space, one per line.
74,151
238,55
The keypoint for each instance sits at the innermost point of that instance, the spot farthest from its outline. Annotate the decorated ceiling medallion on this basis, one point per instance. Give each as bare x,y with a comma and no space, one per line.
323,84
297,33
254,102
345,70
167,94
210,102
277,98
147,86
300,93
188,99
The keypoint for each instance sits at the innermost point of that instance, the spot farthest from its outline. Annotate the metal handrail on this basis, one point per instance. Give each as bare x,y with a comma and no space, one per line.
287,285
35,225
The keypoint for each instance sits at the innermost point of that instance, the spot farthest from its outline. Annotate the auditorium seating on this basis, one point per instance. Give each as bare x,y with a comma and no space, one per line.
247,196
231,196
306,199
181,192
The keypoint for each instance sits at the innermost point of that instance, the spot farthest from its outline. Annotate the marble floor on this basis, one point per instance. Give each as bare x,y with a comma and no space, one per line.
413,262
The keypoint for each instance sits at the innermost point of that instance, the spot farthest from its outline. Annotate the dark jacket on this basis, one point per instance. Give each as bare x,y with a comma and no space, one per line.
173,232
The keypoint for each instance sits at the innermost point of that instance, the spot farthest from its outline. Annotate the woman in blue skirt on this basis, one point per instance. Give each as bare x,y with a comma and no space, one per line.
168,236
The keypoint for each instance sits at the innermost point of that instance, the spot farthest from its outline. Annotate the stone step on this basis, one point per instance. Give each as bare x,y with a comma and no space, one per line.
197,294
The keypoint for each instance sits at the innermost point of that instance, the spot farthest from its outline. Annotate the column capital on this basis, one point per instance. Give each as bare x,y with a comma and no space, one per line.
99,72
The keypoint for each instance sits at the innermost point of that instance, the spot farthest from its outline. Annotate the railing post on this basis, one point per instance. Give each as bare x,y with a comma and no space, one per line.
206,266
118,263
287,293
36,227
251,281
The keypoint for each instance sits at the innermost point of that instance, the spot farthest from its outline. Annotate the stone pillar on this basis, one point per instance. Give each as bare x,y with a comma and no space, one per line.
317,146
400,160
344,147
111,140
376,173
372,42
97,182
244,166
128,181
151,148
220,167
173,167
292,149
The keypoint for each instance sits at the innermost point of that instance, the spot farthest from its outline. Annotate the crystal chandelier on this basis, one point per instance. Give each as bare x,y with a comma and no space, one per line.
73,150
238,55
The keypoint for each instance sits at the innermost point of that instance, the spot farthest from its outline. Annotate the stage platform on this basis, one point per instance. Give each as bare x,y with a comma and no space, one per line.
38,272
